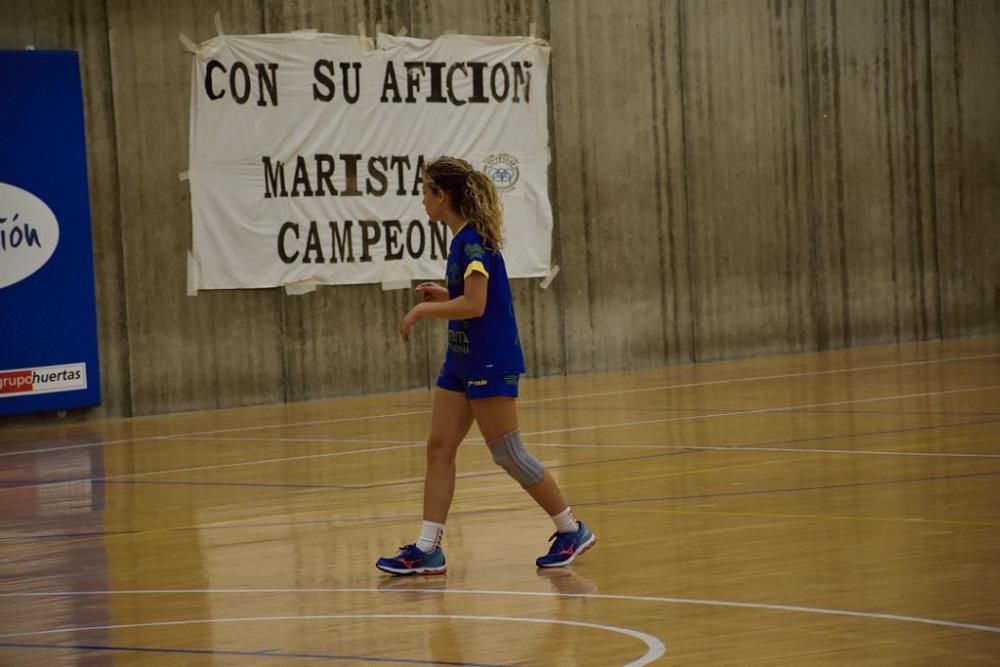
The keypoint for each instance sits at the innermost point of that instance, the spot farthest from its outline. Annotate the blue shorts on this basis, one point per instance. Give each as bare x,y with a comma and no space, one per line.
480,387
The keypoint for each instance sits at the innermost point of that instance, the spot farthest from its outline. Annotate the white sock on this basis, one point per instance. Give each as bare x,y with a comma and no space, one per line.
566,522
430,536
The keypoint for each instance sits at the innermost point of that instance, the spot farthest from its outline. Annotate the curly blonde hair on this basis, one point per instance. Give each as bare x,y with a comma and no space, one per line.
472,194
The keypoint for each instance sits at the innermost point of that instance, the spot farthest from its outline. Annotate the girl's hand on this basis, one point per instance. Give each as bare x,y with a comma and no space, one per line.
411,318
432,292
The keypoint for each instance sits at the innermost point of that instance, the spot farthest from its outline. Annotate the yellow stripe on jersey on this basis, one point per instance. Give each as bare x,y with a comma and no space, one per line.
476,266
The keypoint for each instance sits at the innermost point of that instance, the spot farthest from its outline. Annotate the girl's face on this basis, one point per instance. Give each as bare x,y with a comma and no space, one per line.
434,203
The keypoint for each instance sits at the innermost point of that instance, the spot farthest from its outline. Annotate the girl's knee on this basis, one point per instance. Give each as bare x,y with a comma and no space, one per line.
441,451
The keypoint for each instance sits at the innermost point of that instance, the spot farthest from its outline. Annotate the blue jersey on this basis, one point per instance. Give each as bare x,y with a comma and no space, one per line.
487,345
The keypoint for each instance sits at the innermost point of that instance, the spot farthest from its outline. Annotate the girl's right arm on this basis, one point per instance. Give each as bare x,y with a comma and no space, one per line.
432,292
471,303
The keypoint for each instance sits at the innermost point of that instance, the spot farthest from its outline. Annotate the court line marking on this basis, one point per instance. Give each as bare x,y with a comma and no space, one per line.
761,411
858,413
794,450
597,596
267,653
521,402
783,376
242,523
238,464
654,646
804,517
564,430
753,447
152,438
794,489
605,447
480,473
332,441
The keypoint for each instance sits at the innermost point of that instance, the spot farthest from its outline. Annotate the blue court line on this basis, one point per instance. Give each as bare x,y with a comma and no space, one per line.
52,536
22,483
280,485
760,492
620,501
255,654
341,487
16,484
558,466
692,449
273,524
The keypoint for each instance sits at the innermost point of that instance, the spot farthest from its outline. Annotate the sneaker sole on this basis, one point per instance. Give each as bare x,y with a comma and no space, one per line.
416,570
579,552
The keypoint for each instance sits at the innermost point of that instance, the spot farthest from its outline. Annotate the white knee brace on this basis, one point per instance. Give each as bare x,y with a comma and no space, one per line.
509,453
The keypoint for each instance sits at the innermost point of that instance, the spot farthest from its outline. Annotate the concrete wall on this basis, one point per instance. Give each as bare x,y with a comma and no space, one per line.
730,178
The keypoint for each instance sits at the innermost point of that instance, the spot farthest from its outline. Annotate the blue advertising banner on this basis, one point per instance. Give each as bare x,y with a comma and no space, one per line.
48,338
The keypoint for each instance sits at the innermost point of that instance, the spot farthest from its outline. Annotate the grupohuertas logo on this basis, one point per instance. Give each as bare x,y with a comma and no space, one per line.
502,170
29,234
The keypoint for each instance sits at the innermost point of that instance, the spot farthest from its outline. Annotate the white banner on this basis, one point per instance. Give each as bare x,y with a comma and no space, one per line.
307,152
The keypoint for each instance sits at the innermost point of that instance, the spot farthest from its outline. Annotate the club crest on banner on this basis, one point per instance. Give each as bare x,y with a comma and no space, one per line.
502,170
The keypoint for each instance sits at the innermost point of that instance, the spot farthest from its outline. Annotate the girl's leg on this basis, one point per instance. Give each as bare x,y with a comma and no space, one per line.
496,417
451,418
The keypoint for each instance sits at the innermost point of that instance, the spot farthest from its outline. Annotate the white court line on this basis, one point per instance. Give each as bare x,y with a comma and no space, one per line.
102,443
723,448
568,430
760,378
523,401
596,596
284,459
741,448
654,647
474,473
761,411
332,441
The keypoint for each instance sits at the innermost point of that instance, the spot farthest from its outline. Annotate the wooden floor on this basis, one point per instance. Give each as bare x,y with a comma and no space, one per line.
821,509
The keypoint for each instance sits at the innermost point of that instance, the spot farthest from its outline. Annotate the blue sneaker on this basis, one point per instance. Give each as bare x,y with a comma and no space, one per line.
411,560
567,547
